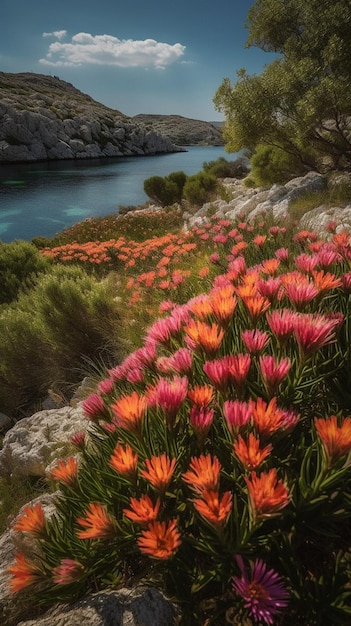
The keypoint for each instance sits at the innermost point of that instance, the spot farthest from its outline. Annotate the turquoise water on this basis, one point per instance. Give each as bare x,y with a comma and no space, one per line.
44,198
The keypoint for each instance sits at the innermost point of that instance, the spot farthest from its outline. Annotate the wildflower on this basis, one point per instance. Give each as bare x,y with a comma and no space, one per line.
301,293
201,418
267,418
67,572
66,471
142,511
336,439
105,386
324,281
273,372
200,306
125,461
24,573
262,591
249,452
94,407
78,440
267,495
204,336
170,395
256,306
204,473
255,341
98,523
159,471
213,508
314,332
282,324
130,411
223,303
160,540
305,262
239,366
32,520
270,288
218,372
201,395
282,254
237,415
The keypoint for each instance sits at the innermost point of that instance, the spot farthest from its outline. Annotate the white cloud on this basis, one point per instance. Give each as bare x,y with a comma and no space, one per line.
85,49
58,34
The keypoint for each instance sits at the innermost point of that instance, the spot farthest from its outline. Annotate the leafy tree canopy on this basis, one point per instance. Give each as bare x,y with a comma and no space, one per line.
301,102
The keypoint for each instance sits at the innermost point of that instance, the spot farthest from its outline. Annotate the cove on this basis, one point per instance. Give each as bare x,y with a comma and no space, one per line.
41,199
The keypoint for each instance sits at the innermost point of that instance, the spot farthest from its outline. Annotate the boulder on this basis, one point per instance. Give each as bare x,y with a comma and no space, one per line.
32,446
139,606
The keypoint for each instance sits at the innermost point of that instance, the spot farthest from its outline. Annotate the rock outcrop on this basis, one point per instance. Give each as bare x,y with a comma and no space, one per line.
45,118
182,130
248,204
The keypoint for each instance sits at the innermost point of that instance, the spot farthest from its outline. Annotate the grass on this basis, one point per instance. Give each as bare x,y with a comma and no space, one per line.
334,195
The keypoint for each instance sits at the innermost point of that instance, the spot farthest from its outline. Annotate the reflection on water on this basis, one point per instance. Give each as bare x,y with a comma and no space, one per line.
42,199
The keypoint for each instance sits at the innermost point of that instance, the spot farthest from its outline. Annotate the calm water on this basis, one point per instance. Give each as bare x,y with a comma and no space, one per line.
43,198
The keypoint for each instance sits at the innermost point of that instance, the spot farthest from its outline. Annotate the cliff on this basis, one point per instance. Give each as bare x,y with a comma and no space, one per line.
45,118
183,131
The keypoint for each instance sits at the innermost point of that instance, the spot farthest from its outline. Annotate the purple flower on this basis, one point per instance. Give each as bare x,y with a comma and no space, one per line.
262,590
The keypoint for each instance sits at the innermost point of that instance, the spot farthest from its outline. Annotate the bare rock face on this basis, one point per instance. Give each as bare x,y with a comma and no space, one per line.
140,606
31,447
44,118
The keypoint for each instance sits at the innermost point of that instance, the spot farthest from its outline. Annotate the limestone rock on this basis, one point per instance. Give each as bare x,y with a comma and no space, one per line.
35,442
140,606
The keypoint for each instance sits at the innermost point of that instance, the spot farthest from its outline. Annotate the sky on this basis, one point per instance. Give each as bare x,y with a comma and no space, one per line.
135,56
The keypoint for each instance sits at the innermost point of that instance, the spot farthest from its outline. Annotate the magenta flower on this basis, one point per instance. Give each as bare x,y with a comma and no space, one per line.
273,371
262,591
169,395
94,407
237,415
254,340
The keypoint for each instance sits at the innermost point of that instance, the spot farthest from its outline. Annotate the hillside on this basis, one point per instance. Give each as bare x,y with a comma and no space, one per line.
45,118
182,130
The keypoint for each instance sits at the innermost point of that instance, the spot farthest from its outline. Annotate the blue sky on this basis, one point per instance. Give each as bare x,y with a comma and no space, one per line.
136,56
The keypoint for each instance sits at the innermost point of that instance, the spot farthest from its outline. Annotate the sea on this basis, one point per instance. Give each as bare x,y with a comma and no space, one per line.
42,199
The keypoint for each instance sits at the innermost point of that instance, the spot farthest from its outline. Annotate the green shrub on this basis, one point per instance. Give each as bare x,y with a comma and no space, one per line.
271,164
20,261
47,338
165,190
222,168
200,188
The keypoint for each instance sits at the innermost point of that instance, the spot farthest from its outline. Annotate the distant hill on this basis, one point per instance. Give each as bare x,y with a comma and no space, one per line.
45,118
183,131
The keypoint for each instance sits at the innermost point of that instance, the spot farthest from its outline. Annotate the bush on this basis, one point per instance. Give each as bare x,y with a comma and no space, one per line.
20,263
273,165
200,188
65,321
221,168
165,190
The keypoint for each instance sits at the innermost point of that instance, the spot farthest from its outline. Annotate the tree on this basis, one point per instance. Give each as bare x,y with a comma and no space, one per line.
300,103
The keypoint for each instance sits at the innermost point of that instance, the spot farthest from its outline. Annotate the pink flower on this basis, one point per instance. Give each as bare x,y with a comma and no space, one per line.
282,324
262,591
201,419
94,407
237,415
301,293
305,262
255,340
270,288
312,332
169,395
67,572
273,371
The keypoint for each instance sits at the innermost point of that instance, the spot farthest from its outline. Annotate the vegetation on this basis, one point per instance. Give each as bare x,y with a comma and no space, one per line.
20,263
299,105
218,465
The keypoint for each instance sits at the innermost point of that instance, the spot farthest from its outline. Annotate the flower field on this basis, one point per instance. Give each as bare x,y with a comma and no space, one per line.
217,466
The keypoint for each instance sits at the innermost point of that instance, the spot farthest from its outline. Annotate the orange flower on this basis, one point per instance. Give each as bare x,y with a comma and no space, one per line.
98,523
124,460
212,508
256,306
66,471
249,452
201,306
267,494
130,411
32,520
223,302
143,510
267,417
336,439
160,540
204,473
203,335
324,281
24,573
201,395
159,471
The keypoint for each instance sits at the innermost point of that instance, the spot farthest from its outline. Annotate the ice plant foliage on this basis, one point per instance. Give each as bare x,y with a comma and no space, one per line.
217,460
